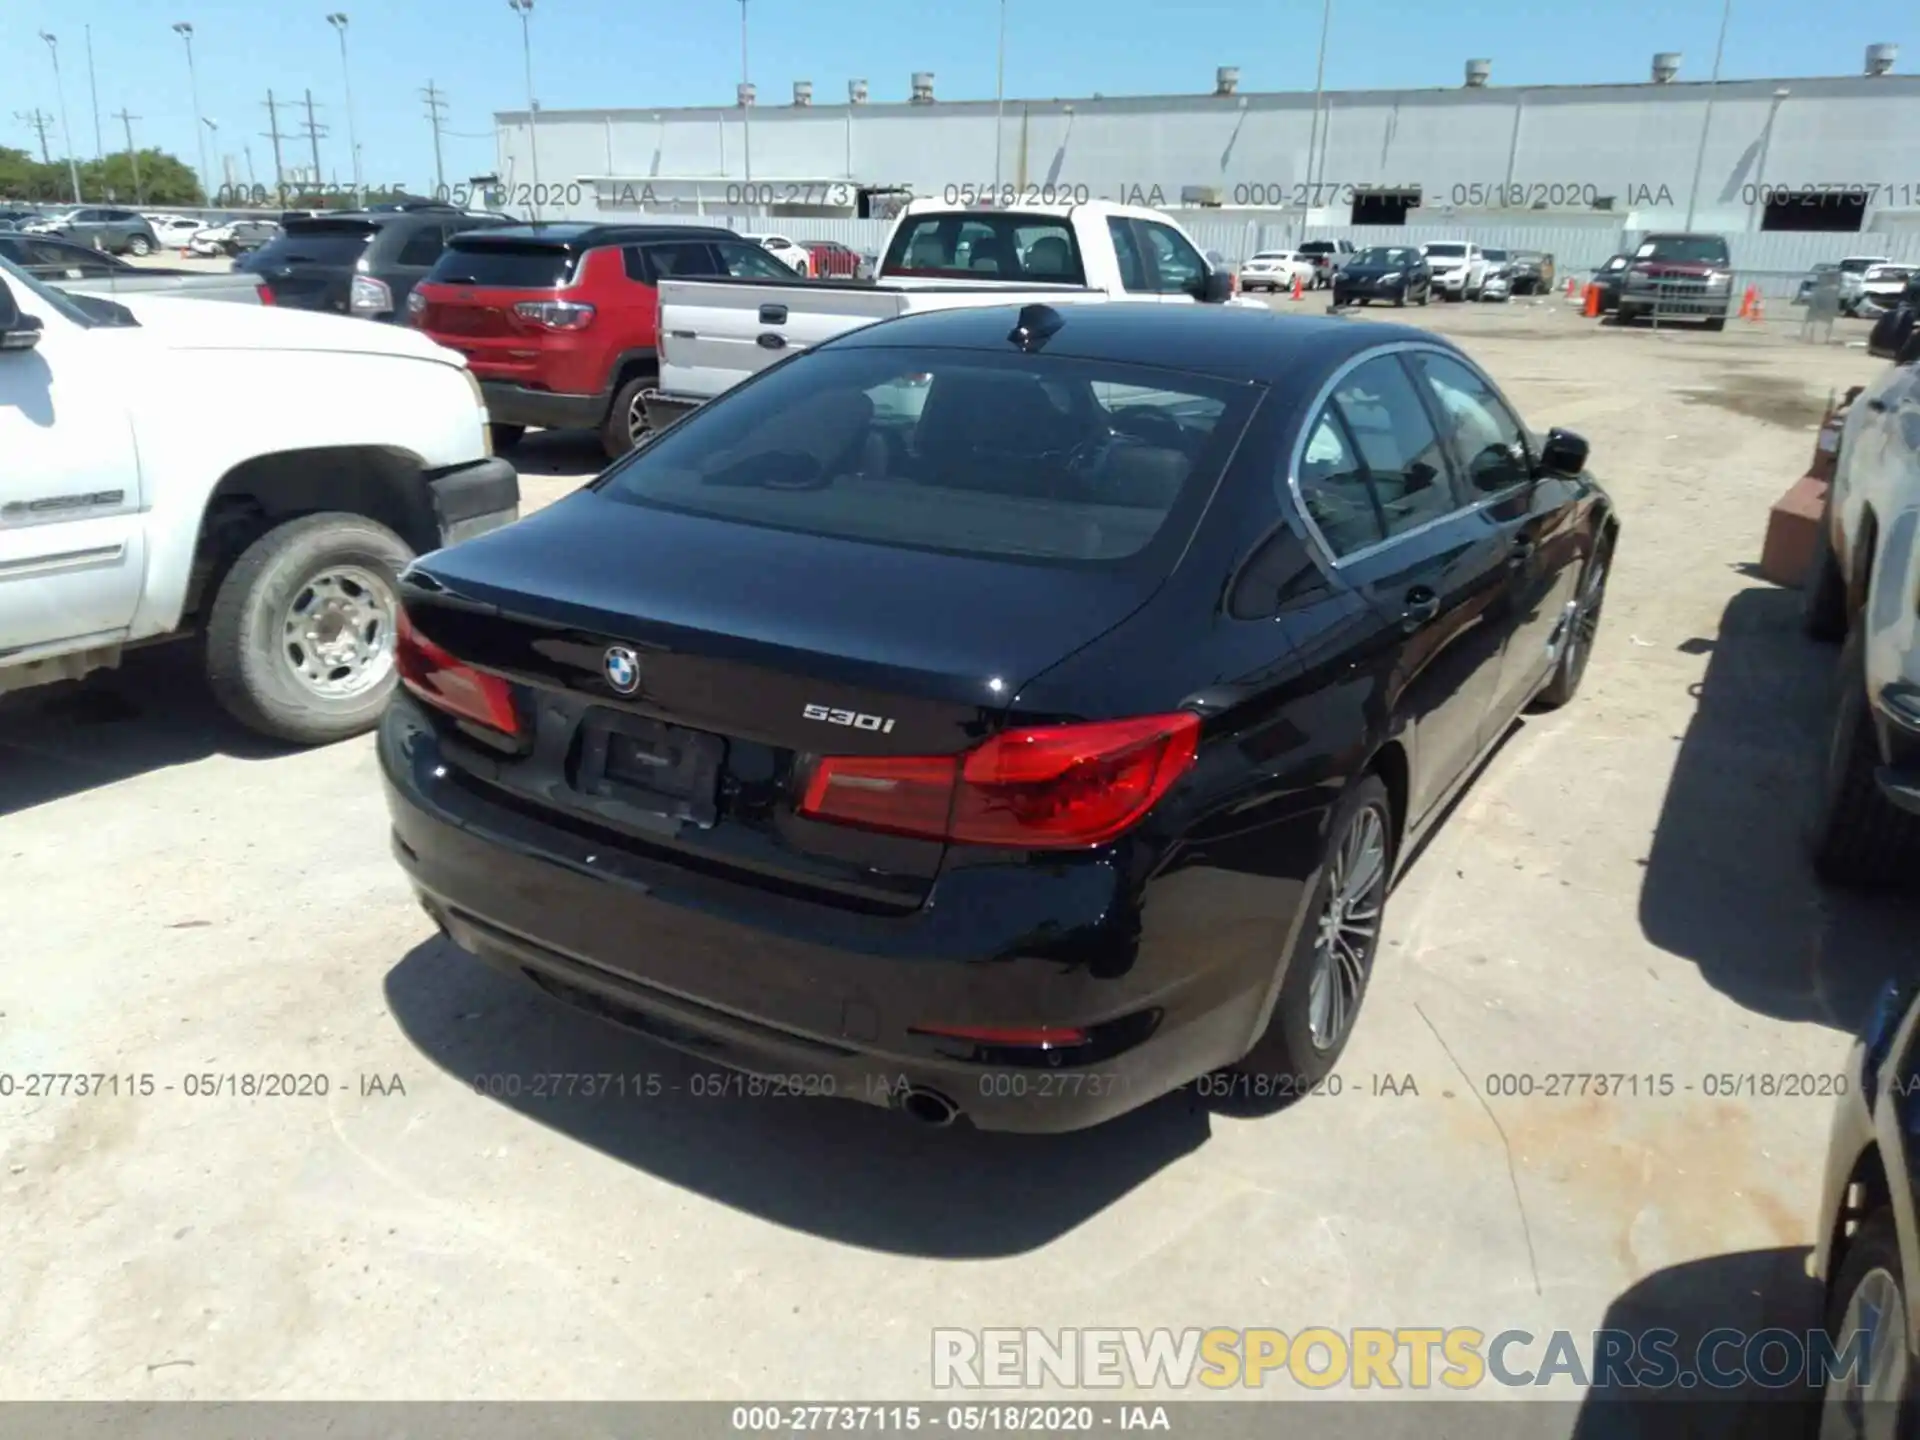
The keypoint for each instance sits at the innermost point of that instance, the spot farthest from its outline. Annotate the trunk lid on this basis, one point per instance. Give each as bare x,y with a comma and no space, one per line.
759,647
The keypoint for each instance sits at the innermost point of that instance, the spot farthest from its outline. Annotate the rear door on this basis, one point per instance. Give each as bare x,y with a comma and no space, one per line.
310,265
1376,483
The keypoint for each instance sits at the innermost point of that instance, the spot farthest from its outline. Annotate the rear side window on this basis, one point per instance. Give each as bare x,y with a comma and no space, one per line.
422,247
1133,270
1042,459
508,265
996,246
307,244
650,264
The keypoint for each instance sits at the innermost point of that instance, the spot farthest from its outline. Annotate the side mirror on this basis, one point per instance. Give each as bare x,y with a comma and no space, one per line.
1565,453
1218,289
17,331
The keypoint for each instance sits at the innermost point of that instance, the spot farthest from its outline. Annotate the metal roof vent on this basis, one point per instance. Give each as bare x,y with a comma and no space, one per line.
743,93
803,92
1477,72
1226,80
1666,65
856,92
923,87
1880,58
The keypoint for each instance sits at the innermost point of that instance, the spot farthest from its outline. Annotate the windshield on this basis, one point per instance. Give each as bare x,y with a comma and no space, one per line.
1021,457
1685,249
506,265
1387,255
1446,250
1494,254
313,245
62,305
998,246
1857,267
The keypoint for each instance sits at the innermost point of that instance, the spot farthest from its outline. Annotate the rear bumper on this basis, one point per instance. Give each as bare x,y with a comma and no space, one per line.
518,405
470,500
823,999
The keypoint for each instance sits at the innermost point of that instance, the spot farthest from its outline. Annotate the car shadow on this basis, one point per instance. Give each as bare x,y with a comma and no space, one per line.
557,452
839,1169
1748,1291
153,712
1729,885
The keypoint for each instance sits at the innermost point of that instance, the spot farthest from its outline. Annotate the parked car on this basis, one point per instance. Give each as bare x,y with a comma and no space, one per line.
82,270
1882,288
234,237
1328,256
806,835
1890,332
1533,272
938,256
1853,274
1399,273
174,232
1862,589
1609,279
1276,270
118,232
1679,276
263,497
1867,1242
359,263
832,260
562,322
1499,270
1459,268
790,253
19,216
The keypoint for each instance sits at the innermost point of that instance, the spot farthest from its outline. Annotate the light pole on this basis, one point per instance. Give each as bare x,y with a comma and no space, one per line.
525,10
60,89
1756,212
1706,121
185,32
339,23
1319,90
1000,95
746,105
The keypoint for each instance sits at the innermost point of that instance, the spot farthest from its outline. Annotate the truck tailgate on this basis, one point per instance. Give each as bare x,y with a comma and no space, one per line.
241,289
716,333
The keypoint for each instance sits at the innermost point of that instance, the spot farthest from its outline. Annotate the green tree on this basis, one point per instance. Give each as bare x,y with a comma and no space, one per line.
164,179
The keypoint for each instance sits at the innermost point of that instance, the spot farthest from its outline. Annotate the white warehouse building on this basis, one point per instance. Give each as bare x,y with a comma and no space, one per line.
1836,156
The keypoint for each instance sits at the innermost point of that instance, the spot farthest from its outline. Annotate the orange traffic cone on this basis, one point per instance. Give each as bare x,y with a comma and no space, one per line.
1299,290
1746,303
1592,307
1757,311
1571,291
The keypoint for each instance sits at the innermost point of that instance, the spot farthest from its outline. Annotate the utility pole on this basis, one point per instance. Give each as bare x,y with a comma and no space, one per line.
436,102
184,29
99,146
66,126
279,170
314,132
38,121
133,155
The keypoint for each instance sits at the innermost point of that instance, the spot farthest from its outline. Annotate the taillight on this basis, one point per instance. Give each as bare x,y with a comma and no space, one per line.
265,292
556,314
448,683
1046,788
369,296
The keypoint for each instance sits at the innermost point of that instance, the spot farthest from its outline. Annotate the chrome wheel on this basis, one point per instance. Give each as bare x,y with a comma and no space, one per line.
1866,1402
1586,615
637,425
1349,927
337,636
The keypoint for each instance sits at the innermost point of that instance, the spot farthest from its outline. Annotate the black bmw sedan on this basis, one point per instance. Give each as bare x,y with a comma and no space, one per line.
1008,714
1397,273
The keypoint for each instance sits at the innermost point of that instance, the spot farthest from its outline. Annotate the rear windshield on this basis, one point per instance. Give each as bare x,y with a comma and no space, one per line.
1685,249
1317,247
1000,246
529,266
1446,248
1857,267
1494,254
1039,459
325,243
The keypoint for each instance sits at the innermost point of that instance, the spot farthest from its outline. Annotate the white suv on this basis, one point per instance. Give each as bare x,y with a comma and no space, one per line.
1459,268
1865,588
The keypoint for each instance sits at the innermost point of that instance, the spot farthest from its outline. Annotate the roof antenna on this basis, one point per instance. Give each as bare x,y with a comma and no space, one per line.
1036,324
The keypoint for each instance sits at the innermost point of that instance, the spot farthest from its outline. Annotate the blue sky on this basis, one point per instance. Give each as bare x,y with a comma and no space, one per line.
642,53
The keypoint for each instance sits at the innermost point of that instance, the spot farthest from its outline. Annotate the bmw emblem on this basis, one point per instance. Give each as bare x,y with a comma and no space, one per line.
622,668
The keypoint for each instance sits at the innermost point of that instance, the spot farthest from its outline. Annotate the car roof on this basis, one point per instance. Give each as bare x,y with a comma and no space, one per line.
1234,342
582,235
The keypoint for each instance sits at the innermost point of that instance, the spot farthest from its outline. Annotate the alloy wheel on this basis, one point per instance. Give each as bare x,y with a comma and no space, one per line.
1586,615
338,633
637,425
1349,927
1865,1401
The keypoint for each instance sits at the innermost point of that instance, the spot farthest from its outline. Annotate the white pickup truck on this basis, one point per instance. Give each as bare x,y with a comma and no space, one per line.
251,475
716,333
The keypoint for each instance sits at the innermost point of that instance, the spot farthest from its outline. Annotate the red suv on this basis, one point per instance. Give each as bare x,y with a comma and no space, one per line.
560,323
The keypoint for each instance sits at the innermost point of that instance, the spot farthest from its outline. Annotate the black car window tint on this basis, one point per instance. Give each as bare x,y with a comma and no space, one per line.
1335,492
1482,436
423,247
1397,444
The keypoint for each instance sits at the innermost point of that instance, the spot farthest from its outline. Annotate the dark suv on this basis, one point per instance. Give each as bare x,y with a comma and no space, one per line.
561,323
360,262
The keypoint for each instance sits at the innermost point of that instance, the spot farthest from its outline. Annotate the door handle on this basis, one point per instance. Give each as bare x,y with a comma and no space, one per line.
1422,608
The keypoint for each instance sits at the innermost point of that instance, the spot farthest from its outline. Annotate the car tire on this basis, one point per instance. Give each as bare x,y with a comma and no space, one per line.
1400,301
345,565
1295,1045
1576,647
1717,322
140,246
505,437
1871,1284
1823,594
1861,840
618,435
1426,295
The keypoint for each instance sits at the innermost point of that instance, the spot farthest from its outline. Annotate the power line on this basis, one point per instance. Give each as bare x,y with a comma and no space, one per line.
436,103
38,121
313,133
133,155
